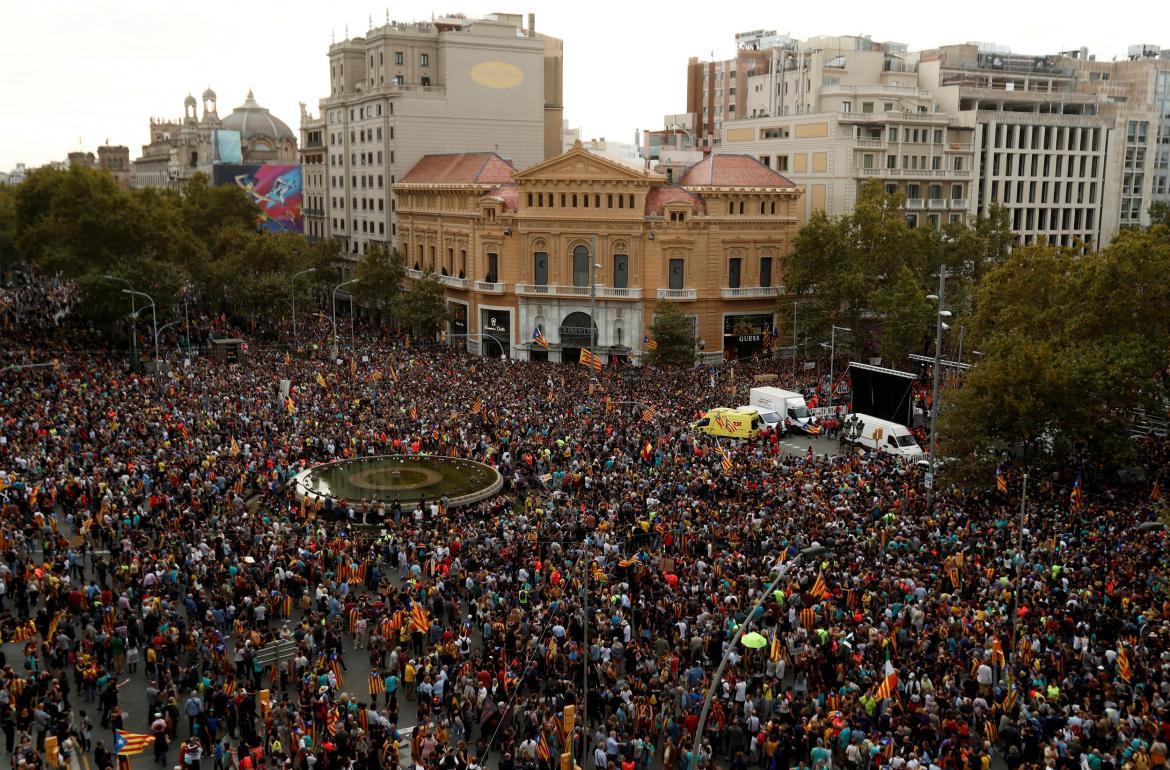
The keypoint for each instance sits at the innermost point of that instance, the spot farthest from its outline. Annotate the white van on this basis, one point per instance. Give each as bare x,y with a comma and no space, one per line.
791,408
881,435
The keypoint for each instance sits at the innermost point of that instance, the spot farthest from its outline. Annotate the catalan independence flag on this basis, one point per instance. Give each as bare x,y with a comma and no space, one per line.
588,358
538,337
1123,669
649,343
1000,480
542,751
1075,497
477,406
128,744
377,686
420,619
819,589
648,415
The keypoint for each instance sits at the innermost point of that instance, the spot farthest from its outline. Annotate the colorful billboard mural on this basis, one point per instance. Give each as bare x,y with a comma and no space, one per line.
275,189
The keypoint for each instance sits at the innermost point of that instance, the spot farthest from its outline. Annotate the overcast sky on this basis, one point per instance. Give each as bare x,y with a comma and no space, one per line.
76,73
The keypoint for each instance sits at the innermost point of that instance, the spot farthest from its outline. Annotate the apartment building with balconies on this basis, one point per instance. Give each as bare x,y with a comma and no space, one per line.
405,90
834,112
584,245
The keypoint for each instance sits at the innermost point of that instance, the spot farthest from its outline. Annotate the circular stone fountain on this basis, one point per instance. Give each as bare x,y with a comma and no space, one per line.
404,478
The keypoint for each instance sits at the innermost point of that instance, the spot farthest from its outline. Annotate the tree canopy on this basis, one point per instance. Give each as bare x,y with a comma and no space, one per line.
870,271
1069,345
675,335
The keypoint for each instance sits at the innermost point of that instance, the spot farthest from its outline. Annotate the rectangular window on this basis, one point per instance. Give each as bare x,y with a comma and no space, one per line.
765,271
621,271
540,268
424,60
733,269
675,277
581,264
493,268
398,58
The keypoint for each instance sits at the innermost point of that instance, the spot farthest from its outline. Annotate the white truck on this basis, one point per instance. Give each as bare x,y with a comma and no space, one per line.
881,435
783,410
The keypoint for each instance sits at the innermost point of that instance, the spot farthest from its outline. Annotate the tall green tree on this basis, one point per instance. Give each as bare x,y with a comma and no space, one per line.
9,253
1070,344
381,271
422,308
869,270
675,334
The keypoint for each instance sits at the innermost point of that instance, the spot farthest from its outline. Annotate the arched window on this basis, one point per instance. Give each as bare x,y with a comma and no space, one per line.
581,266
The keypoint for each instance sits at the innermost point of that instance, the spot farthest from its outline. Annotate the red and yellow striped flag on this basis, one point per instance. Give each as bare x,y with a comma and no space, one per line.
888,686
377,686
819,589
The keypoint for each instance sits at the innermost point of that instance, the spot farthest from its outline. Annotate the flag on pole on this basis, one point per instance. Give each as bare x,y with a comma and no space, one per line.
889,684
727,464
538,337
648,415
1123,669
776,653
769,338
419,618
819,589
477,406
235,447
1000,480
320,379
649,343
647,451
588,358
414,412
393,374
128,744
1075,495
1156,492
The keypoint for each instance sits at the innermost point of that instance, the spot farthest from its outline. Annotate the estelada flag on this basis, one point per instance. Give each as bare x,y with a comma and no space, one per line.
128,744
419,618
819,589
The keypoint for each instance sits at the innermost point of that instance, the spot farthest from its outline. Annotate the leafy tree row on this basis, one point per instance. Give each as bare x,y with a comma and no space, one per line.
201,246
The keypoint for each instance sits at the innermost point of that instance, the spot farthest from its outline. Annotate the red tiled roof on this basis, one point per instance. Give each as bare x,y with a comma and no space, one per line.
732,171
658,198
507,194
460,168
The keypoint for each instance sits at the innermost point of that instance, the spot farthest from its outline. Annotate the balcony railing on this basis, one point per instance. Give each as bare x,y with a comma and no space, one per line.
749,292
871,142
913,203
488,287
937,203
453,282
556,290
678,294
958,204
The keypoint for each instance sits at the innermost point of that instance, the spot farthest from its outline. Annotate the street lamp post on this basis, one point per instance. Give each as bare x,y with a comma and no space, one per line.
133,316
335,288
833,355
293,290
718,677
938,330
594,267
153,319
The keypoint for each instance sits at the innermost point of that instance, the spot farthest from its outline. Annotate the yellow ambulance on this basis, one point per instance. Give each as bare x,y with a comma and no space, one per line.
730,423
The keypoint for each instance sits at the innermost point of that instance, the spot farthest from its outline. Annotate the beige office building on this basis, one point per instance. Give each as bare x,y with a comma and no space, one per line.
1041,147
839,111
405,90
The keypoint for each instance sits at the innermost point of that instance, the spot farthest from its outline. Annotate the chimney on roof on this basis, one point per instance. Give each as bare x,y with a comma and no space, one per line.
532,25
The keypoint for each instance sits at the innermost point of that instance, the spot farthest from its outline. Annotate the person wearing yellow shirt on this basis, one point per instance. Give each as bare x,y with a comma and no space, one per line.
409,679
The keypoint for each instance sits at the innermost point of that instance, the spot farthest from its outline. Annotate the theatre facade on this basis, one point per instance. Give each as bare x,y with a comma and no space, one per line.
583,247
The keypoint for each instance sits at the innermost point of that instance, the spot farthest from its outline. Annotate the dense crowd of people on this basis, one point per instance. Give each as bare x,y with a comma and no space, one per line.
150,542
